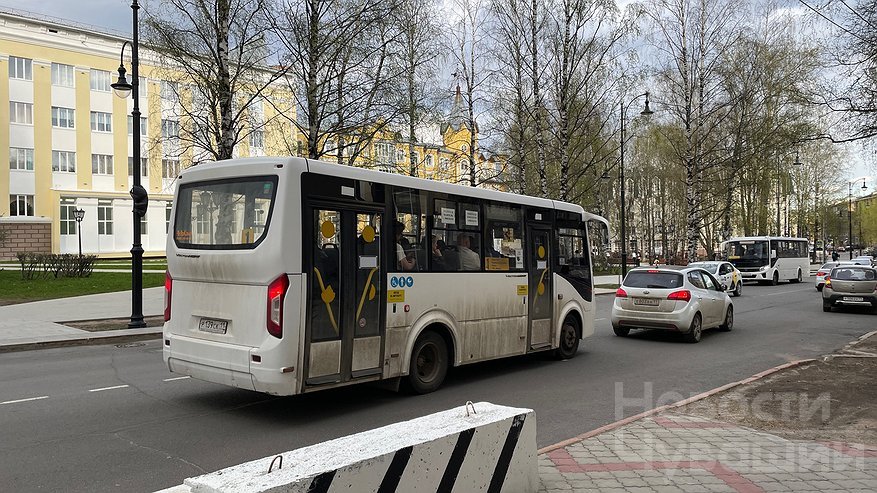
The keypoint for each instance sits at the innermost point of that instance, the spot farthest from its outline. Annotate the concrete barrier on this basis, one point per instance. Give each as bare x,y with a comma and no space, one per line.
491,449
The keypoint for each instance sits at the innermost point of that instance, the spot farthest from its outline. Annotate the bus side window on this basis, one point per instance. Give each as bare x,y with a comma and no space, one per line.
410,211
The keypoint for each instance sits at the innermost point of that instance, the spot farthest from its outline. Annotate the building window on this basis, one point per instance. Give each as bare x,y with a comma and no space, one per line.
102,164
62,75
21,112
444,164
20,68
21,158
64,161
143,126
21,205
100,80
416,156
170,168
144,166
169,206
400,156
101,122
170,129
104,217
144,225
68,220
169,91
142,87
63,117
429,161
257,139
385,154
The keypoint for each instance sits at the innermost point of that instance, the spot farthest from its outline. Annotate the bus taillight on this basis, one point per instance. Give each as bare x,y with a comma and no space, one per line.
276,292
168,288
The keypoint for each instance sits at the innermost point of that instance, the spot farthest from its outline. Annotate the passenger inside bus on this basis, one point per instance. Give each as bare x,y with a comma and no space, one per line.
404,260
469,260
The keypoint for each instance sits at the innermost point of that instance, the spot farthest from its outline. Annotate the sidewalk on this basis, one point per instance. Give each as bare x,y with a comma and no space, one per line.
27,325
700,445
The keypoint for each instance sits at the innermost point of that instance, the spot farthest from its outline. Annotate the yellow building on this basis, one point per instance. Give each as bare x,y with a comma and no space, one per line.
69,141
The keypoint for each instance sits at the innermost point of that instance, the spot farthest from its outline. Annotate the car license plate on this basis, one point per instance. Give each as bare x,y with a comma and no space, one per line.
213,326
646,301
853,298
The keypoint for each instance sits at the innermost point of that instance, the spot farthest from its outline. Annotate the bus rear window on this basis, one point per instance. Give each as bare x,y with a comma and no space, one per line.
655,280
224,214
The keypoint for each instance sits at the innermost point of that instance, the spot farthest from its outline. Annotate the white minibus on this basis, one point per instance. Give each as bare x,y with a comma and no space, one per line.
769,259
288,275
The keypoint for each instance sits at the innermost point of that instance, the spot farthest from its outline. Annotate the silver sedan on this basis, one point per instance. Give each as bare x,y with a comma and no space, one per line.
687,300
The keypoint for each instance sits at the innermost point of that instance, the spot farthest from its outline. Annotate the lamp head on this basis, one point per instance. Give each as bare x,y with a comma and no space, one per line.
122,88
646,111
864,187
78,214
604,176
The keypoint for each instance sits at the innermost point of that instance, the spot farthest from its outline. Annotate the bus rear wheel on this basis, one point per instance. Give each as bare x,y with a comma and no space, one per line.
429,364
569,340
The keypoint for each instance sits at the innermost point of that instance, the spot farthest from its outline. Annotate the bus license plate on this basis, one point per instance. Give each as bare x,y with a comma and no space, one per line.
646,301
213,326
853,298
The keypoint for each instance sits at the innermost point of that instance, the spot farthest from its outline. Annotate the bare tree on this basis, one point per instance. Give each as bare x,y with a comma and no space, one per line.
220,49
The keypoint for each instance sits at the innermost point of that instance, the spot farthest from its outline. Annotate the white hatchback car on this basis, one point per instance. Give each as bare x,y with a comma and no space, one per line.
724,272
686,299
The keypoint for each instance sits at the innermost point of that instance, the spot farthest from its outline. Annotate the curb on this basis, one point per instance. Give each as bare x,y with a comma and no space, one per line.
703,395
82,341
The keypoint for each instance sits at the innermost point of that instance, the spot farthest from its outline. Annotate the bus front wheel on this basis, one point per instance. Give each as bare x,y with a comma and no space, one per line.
429,363
776,279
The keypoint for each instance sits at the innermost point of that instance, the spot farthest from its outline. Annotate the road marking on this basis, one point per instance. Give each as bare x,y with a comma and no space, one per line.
787,292
108,388
176,378
599,319
25,400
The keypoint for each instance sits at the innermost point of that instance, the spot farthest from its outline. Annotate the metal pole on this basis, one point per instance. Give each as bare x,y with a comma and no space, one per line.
850,218
137,247
79,230
779,229
623,207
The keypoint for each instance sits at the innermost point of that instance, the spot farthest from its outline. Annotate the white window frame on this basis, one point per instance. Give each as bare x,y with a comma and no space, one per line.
66,217
168,208
169,165
100,80
170,91
20,68
105,217
102,164
21,113
63,117
257,139
167,125
101,122
16,199
63,75
143,126
144,224
64,161
144,166
21,158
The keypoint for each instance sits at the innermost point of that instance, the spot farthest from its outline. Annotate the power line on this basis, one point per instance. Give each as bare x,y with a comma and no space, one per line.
820,14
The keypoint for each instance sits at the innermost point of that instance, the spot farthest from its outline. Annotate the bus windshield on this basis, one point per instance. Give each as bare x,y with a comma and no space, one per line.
224,214
748,253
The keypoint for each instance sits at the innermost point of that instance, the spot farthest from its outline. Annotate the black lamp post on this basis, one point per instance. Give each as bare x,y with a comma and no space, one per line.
123,88
850,213
79,214
645,111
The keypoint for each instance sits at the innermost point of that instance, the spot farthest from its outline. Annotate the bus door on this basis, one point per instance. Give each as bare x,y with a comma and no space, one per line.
539,305
343,335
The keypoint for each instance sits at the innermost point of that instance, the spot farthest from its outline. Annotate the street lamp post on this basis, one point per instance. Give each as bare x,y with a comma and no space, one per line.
645,111
79,214
850,214
122,88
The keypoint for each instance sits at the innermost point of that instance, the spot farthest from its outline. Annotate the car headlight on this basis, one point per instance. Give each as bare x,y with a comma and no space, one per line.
763,268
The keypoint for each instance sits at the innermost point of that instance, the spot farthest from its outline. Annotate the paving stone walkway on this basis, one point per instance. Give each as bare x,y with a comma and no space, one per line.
674,453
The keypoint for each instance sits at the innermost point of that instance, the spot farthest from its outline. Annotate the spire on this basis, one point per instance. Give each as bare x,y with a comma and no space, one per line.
457,116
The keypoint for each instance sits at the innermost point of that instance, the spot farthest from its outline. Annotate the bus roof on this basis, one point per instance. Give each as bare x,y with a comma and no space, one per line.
334,169
762,238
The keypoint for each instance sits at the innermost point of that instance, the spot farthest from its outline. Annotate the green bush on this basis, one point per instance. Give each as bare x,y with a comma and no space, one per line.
45,265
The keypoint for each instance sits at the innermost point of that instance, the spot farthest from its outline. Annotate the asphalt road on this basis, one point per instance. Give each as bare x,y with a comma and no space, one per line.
107,418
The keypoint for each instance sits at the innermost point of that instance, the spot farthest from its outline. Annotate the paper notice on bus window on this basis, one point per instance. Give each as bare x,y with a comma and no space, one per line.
519,258
471,218
247,235
496,263
449,216
368,261
541,264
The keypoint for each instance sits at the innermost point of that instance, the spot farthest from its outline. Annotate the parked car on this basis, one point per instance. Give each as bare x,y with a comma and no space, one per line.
823,272
854,285
682,299
724,272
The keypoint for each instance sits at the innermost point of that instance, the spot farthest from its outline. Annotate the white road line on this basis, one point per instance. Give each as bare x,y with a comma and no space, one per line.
787,292
25,400
108,388
176,378
598,319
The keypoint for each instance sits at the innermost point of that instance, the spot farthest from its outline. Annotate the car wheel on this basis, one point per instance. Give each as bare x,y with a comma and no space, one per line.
819,288
621,331
738,291
429,363
729,320
695,331
569,340
826,306
776,279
